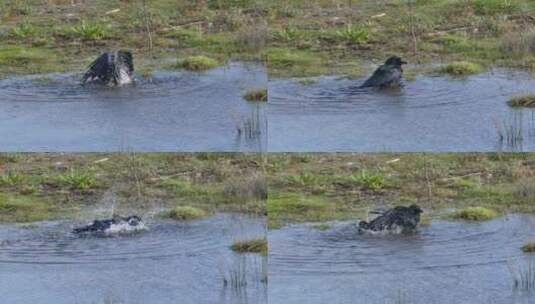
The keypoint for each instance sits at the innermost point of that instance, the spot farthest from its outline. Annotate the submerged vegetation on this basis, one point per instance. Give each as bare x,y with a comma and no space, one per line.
523,275
44,186
529,246
474,214
260,94
258,245
527,100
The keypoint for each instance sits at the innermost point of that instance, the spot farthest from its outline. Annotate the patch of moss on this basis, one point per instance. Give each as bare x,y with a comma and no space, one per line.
184,213
260,94
198,63
527,100
529,247
474,214
258,245
460,68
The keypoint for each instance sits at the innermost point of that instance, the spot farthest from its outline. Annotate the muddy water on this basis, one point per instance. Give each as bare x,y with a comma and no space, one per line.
445,262
171,111
428,114
171,263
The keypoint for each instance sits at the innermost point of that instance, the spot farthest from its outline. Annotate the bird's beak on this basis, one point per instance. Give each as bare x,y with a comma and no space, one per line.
403,62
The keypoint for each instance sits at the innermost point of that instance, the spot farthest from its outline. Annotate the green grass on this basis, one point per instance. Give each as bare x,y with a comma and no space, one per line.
11,178
527,100
529,247
15,55
198,63
302,179
89,31
460,68
370,180
260,94
474,214
154,31
77,179
21,208
24,30
212,182
258,245
494,7
184,213
353,34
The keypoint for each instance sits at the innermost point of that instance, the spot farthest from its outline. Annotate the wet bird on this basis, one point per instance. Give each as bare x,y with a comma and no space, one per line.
387,75
117,224
398,219
113,68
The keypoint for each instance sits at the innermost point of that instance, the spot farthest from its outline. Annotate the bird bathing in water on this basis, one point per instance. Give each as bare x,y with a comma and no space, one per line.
116,225
386,75
397,219
114,68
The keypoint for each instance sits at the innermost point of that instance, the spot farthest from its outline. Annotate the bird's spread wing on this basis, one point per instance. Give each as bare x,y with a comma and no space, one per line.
126,58
97,68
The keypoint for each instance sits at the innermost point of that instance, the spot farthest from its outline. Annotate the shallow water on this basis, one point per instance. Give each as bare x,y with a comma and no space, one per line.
428,114
171,263
173,111
445,262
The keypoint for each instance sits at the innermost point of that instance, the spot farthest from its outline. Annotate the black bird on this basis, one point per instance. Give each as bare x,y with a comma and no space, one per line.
397,219
113,68
387,75
117,224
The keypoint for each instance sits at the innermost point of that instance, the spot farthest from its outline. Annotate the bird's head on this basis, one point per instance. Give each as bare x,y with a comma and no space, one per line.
416,209
395,61
134,220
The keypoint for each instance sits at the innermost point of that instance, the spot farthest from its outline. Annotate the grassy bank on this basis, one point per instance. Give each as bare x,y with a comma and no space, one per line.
44,186
321,187
58,35
342,37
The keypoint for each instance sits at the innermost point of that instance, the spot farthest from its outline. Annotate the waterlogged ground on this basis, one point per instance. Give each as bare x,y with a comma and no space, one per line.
431,113
172,262
445,262
171,111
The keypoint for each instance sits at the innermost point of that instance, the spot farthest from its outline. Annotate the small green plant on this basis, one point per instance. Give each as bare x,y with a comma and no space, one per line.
529,246
260,94
474,214
287,34
370,180
11,178
258,245
23,30
527,100
302,179
78,179
460,68
353,34
89,31
184,213
198,63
